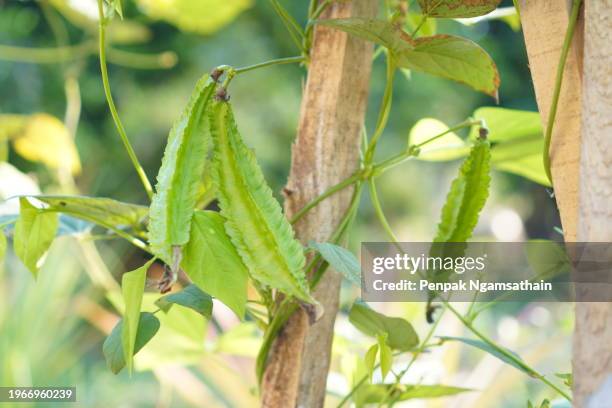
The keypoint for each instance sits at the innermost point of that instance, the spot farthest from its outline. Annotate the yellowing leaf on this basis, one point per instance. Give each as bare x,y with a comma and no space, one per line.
447,147
199,16
45,139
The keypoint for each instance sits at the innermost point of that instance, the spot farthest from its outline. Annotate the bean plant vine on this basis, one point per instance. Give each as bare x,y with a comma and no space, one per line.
250,237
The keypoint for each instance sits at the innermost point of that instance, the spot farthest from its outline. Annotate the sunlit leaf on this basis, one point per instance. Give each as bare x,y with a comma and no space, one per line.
428,27
180,173
112,349
201,16
375,393
448,147
132,287
45,139
34,233
191,297
454,58
386,355
370,359
507,124
530,167
517,141
457,8
517,362
254,219
212,263
341,259
467,196
400,334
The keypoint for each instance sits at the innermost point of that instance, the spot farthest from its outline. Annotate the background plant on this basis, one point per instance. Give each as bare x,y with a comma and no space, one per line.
131,221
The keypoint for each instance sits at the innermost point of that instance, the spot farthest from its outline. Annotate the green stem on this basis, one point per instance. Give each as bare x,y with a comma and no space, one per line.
294,29
111,104
327,193
378,169
413,150
50,55
380,214
558,81
163,60
349,216
503,351
385,108
468,324
416,354
279,61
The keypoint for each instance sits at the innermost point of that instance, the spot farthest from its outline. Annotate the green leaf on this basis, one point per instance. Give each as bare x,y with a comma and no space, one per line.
370,359
386,355
375,393
517,141
508,124
508,15
191,297
105,212
341,259
413,20
457,8
34,233
201,16
530,167
212,263
455,58
381,32
112,349
400,333
568,378
180,340
547,259
467,196
516,363
132,286
180,173
116,5
447,147
255,222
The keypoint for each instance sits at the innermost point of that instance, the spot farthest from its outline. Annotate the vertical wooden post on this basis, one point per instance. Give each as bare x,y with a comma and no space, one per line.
592,360
544,24
581,155
325,152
